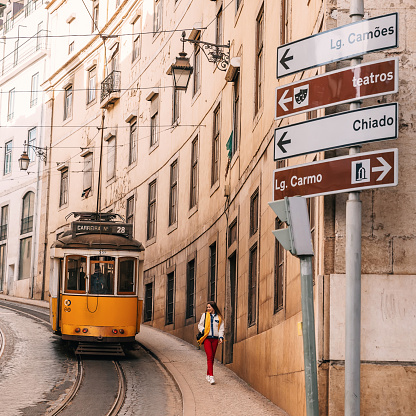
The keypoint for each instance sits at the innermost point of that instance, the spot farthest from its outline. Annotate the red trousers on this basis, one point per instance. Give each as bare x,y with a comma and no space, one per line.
210,345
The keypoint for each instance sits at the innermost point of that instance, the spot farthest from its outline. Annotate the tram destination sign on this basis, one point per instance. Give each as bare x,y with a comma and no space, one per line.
338,87
340,174
343,42
90,227
337,130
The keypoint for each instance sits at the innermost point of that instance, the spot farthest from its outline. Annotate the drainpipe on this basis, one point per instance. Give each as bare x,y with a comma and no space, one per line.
35,215
48,187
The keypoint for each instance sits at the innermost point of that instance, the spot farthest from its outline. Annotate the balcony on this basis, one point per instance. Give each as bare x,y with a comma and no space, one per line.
110,89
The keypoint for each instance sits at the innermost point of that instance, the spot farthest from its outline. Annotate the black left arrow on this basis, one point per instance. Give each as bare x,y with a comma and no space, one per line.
281,142
286,58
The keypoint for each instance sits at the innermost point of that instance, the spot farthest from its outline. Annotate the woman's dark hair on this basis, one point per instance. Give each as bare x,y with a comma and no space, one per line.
215,307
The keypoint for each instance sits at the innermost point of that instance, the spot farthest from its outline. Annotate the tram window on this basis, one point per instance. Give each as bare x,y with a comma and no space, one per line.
75,273
126,276
102,275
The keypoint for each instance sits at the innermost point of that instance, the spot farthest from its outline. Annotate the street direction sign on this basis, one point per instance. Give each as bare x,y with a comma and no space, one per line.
343,42
357,172
337,130
342,86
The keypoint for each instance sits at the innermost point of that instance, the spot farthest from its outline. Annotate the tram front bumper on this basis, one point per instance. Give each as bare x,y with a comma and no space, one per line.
98,333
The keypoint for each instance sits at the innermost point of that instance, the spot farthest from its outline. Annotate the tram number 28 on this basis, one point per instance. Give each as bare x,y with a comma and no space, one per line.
121,230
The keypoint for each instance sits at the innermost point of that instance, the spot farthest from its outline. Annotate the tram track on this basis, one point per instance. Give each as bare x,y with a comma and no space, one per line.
68,406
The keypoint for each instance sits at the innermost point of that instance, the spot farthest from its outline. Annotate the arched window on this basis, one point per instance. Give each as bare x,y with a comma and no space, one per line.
27,213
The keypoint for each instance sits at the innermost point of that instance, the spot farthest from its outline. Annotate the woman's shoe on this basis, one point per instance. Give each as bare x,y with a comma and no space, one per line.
212,380
209,379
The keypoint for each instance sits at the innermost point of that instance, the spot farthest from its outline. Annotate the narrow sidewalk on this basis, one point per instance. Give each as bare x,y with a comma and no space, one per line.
229,396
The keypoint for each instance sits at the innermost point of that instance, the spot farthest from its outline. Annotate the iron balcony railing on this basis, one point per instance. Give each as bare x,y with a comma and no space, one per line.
27,225
110,84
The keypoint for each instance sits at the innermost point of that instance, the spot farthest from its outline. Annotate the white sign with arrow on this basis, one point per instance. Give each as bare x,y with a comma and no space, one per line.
343,42
338,130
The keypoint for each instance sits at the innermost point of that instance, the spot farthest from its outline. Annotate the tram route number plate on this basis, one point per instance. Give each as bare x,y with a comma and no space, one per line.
83,227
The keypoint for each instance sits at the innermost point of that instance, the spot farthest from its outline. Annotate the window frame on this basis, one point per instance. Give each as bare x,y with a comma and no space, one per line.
133,141
173,193
252,286
175,106
136,39
146,318
219,30
236,113
8,152
34,85
157,16
68,102
154,136
95,15
193,200
29,240
3,262
130,210
10,106
254,212
190,288
4,222
31,143
87,180
92,85
232,233
196,85
170,300
151,210
64,188
259,87
111,157
27,214
212,272
216,130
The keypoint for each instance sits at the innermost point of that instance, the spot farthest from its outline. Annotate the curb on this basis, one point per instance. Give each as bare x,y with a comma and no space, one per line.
188,400
25,301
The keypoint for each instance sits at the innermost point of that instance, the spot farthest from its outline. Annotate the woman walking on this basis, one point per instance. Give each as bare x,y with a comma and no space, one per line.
212,325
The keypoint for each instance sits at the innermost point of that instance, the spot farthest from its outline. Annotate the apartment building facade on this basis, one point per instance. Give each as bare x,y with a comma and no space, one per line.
193,172
23,61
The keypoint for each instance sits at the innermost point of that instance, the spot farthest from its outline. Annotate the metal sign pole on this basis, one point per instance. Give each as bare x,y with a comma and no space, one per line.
353,274
308,332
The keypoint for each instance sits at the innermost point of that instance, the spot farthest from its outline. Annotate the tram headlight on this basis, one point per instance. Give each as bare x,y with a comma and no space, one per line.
121,331
77,330
115,331
85,330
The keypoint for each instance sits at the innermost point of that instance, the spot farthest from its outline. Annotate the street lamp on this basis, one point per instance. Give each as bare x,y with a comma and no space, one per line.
181,70
24,159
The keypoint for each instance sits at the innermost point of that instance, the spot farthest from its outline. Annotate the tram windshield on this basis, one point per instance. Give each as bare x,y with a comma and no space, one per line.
102,275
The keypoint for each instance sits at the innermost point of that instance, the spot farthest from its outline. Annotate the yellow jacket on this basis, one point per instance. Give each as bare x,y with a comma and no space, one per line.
205,325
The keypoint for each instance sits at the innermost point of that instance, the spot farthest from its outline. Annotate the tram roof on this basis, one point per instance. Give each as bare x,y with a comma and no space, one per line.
98,241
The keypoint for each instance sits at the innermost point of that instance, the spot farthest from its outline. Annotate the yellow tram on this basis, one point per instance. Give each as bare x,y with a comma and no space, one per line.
96,281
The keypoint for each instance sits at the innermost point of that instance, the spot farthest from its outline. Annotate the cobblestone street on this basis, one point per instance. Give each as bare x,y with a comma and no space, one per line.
35,368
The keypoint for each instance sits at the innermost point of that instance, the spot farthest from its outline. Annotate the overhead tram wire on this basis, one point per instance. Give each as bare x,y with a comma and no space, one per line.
80,35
